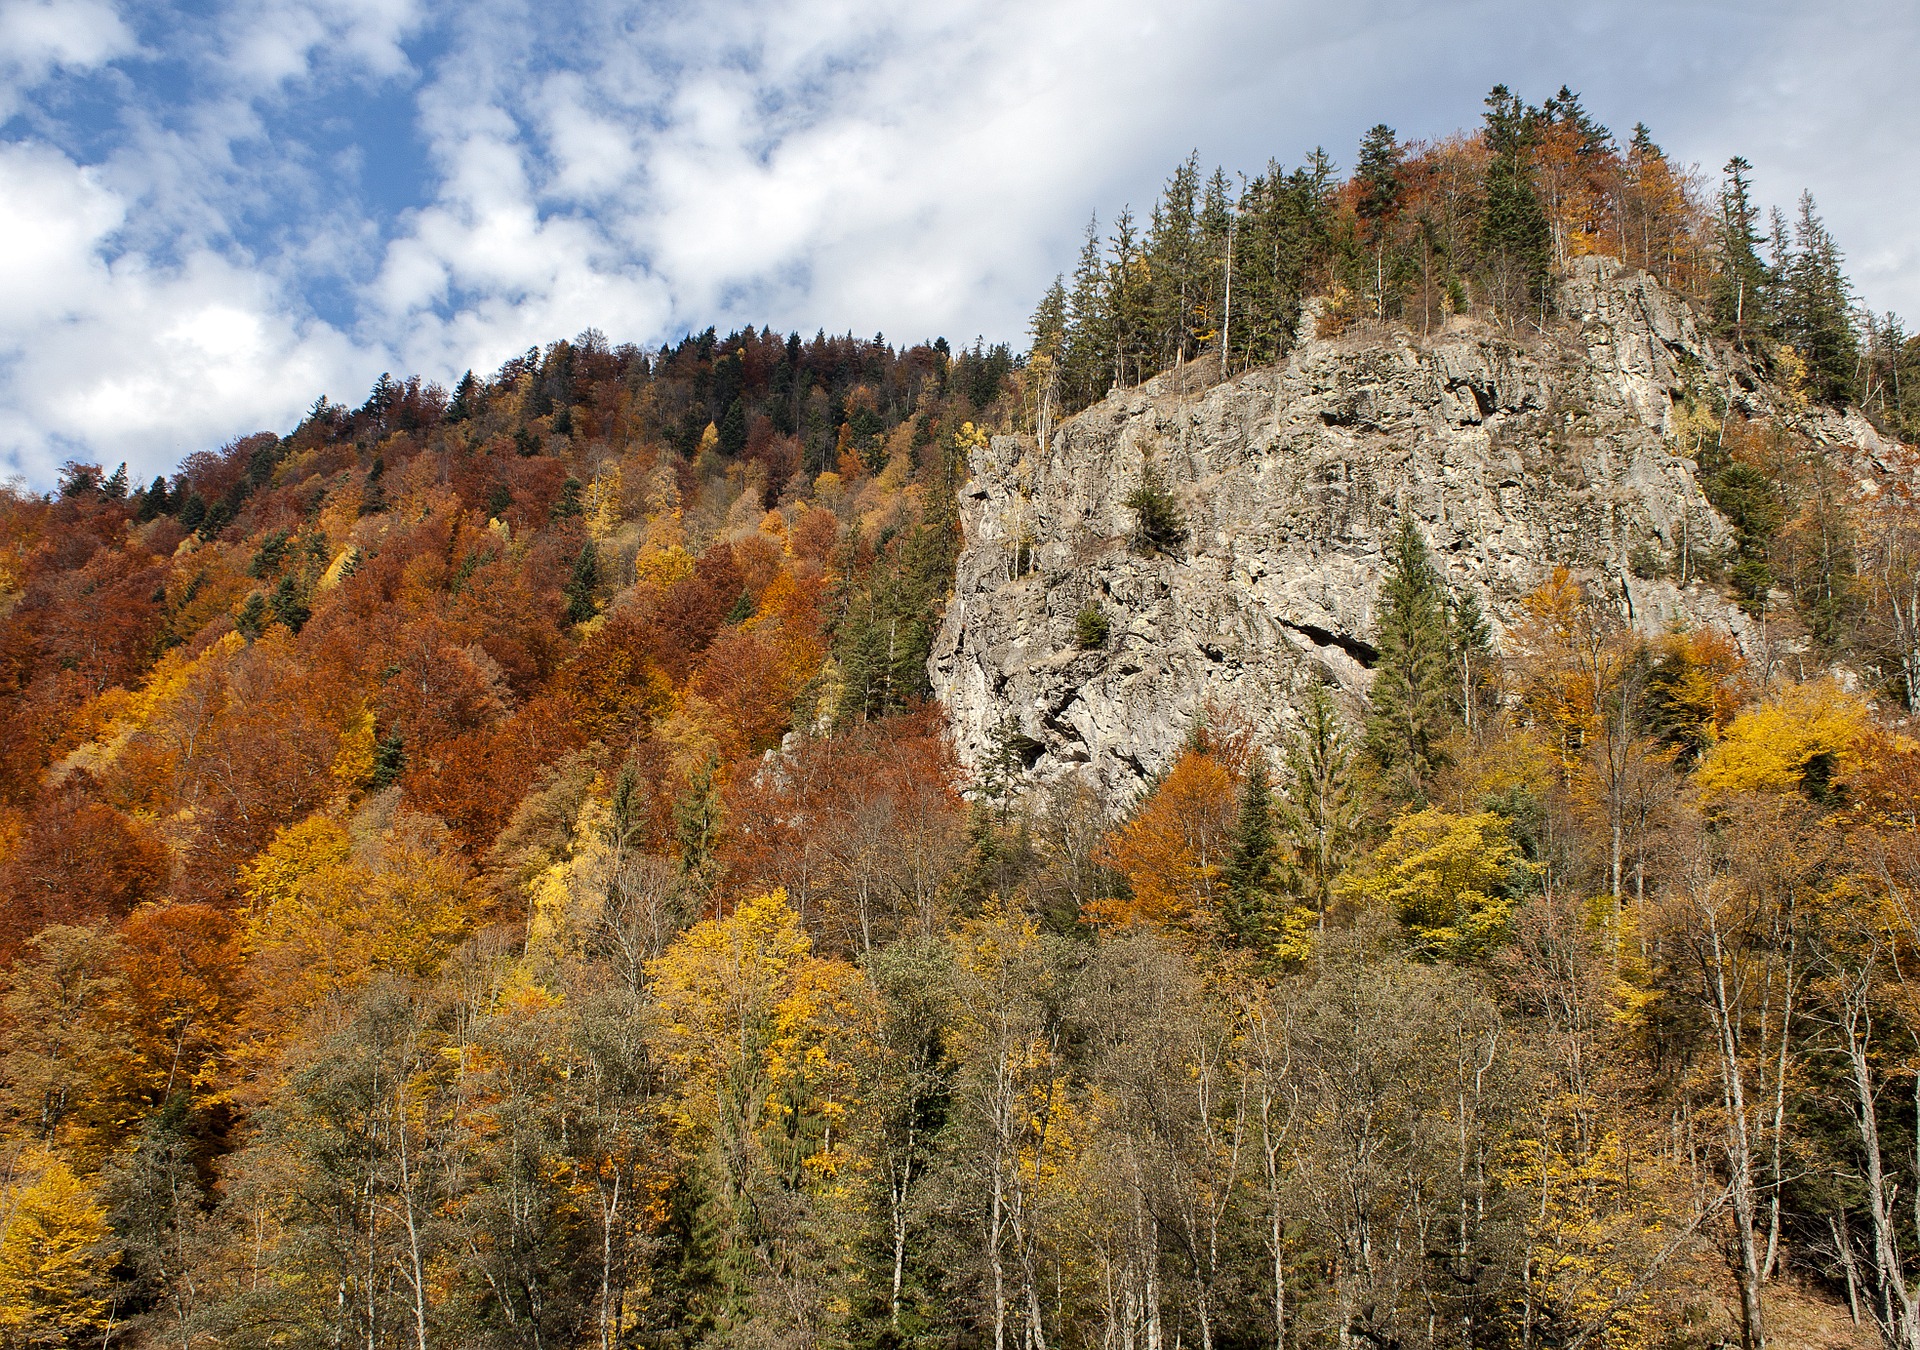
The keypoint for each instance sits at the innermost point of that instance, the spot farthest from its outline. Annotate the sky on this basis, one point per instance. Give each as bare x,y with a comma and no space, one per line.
212,213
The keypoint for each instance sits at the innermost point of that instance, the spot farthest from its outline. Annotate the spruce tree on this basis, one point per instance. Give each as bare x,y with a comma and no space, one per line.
1741,280
1412,679
582,584
1089,346
1158,525
1817,308
1255,869
389,760
252,619
287,607
1516,240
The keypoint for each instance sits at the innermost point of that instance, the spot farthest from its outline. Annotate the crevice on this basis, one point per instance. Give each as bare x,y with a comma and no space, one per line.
1363,652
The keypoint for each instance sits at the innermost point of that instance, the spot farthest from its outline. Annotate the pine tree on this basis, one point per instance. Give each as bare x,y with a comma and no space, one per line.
582,584
569,505
1255,868
1412,680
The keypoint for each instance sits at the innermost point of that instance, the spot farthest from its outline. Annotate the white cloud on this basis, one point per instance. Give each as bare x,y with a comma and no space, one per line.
38,37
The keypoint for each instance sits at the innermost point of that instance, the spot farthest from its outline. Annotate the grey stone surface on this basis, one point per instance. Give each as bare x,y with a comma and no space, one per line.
1511,454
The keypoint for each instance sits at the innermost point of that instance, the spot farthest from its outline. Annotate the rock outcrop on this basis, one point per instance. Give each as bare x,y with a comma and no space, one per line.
1512,455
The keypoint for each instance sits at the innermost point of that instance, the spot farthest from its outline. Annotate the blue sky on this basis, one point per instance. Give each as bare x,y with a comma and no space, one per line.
212,213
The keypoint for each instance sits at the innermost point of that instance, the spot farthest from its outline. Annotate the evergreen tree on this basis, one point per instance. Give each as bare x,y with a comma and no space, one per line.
1172,252
582,584
696,822
1254,873
466,399
252,619
1516,239
1089,348
1817,308
389,760
1741,280
286,605
1046,358
1158,524
1318,808
569,505
1412,682
1377,177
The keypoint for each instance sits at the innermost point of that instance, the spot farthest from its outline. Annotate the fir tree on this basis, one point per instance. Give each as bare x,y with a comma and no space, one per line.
287,607
1741,280
569,505
1412,682
252,619
582,584
1516,239
1255,867
1158,525
696,822
466,398
1817,308
389,760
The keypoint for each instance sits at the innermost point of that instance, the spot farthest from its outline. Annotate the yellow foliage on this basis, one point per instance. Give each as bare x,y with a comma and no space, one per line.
326,914
663,558
353,765
602,502
337,569
1772,747
762,1034
1440,875
54,1254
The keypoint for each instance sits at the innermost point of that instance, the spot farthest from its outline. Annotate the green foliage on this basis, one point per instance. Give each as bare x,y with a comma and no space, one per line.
1255,872
252,619
271,553
287,606
1413,687
569,505
583,585
1319,808
389,760
1091,626
891,619
1158,525
1516,240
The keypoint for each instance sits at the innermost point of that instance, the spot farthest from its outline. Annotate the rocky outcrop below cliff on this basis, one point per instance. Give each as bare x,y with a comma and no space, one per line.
1511,454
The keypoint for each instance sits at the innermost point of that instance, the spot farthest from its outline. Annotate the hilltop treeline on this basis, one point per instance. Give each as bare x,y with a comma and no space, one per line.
481,869
1476,224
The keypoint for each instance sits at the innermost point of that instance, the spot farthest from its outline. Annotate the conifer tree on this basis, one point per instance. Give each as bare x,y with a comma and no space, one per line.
1741,280
389,760
1817,308
1516,238
1318,808
1255,868
287,607
582,584
1089,351
1158,525
1046,358
1412,682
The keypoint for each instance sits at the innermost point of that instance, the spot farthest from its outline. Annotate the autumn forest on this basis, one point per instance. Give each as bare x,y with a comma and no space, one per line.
486,867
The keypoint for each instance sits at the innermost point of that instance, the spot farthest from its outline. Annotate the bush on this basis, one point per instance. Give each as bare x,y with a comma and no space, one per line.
1090,627
1158,525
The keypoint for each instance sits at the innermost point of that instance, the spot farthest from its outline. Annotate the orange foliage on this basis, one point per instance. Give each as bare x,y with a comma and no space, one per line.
1173,850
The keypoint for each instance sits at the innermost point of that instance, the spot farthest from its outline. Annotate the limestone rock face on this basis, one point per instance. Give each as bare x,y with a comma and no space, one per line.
1512,456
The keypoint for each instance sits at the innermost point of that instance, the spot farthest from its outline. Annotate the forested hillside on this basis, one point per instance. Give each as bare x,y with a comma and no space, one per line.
483,868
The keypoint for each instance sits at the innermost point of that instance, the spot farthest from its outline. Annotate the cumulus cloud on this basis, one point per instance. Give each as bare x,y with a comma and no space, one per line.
346,186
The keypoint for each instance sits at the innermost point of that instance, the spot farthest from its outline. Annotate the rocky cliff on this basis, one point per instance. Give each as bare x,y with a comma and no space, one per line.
1511,454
